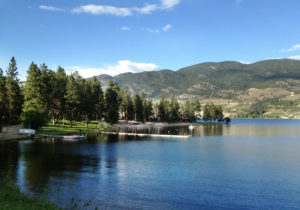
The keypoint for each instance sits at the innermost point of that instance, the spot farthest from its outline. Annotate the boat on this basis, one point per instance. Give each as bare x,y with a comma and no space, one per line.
73,137
191,127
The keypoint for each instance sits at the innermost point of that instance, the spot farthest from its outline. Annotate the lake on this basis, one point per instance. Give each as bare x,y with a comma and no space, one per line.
249,164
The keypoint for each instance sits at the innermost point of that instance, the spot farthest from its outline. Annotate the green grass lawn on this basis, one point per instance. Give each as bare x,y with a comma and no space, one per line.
77,128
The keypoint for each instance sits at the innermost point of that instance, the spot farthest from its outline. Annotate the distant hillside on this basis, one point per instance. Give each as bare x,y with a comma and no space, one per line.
223,80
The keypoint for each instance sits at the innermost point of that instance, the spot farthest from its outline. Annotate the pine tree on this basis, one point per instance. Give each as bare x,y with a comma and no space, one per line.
34,114
138,108
60,101
112,100
163,109
33,93
14,96
3,99
174,110
206,113
148,109
72,98
97,98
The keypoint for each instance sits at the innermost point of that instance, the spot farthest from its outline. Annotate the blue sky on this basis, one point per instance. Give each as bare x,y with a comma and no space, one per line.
115,36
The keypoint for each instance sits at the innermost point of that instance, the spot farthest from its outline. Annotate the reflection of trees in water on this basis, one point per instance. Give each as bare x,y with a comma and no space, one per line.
9,156
209,130
45,160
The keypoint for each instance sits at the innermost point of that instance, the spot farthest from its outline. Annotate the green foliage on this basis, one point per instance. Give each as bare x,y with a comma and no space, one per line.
14,96
138,108
3,100
72,97
12,198
212,112
258,109
112,100
34,118
188,111
163,109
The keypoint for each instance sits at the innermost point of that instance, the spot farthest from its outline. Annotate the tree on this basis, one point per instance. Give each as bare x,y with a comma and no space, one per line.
148,109
72,98
49,91
174,115
112,103
97,98
60,101
188,111
138,108
14,96
206,113
34,112
32,92
163,109
126,106
197,106
212,112
3,99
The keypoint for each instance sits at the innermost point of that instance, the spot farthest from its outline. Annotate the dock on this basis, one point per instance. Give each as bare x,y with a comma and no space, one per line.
147,135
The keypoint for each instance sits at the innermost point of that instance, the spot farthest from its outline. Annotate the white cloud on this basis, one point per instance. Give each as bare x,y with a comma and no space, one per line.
122,66
103,10
245,62
291,49
124,11
295,57
166,27
50,8
147,9
167,4
125,28
154,31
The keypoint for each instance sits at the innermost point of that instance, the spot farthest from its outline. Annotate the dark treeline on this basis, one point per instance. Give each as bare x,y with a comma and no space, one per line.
55,96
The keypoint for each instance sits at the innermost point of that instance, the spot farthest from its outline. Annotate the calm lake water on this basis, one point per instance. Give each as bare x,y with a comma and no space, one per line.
249,164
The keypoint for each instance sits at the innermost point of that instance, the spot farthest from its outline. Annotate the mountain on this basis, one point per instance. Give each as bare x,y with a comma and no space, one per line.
220,80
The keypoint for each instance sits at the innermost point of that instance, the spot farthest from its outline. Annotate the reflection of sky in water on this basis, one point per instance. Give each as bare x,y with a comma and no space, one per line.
237,166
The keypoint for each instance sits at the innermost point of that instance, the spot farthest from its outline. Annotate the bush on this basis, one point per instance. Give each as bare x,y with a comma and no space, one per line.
34,119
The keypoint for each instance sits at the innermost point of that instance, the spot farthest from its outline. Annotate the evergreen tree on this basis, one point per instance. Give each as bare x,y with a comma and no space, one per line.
33,93
188,111
197,107
72,98
34,114
3,99
112,103
174,115
14,96
138,108
126,106
60,101
163,109
148,109
212,112
206,113
49,91
97,98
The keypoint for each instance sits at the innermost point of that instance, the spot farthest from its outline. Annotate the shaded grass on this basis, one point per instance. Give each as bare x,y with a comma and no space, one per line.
12,198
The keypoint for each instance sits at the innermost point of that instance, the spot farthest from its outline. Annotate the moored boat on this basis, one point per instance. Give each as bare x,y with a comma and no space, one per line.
73,137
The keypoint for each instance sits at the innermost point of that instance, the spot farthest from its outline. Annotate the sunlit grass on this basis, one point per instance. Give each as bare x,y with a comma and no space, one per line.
77,128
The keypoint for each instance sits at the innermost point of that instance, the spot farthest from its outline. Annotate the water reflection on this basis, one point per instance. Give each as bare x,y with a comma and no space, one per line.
227,162
286,128
9,155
